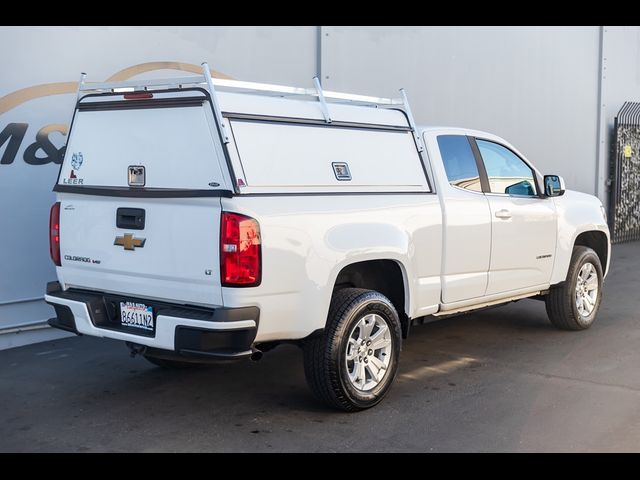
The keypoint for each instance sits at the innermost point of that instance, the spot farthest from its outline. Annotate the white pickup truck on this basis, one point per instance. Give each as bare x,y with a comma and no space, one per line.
201,220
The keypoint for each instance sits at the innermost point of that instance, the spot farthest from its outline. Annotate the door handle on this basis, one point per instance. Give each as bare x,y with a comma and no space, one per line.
504,214
130,218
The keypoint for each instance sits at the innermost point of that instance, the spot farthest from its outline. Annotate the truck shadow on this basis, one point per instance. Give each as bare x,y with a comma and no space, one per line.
276,384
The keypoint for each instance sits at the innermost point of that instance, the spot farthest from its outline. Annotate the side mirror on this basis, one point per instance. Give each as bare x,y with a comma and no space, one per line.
554,185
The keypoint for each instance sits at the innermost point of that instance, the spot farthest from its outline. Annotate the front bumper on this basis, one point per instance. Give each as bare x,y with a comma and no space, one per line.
195,332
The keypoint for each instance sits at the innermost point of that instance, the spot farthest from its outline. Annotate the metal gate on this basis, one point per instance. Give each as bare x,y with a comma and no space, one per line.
624,205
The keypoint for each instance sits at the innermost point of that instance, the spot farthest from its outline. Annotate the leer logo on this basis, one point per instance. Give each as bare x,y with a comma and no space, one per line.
12,135
76,162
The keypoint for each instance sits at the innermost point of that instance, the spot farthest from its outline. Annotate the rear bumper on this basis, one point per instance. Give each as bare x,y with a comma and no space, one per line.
216,333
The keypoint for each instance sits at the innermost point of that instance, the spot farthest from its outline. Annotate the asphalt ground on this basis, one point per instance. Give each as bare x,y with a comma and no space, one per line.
498,380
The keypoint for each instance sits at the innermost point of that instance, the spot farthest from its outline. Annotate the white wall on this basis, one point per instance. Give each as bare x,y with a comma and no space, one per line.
540,87
535,86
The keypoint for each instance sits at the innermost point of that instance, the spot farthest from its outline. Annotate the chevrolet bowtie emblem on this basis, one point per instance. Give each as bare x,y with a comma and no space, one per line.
129,243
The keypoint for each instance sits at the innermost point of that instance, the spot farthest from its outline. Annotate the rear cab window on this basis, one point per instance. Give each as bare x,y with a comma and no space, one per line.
459,162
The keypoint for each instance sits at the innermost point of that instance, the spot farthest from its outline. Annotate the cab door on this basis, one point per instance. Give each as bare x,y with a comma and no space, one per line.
466,220
523,222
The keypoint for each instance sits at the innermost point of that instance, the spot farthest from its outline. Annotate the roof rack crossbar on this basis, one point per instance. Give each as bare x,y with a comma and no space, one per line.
141,84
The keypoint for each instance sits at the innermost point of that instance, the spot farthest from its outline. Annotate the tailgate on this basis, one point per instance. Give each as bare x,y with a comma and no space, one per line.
140,191
174,258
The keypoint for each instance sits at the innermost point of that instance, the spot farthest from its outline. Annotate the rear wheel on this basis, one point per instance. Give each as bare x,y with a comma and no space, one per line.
574,305
352,366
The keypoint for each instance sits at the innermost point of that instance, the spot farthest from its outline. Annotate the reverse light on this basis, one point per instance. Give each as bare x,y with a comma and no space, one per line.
240,251
54,233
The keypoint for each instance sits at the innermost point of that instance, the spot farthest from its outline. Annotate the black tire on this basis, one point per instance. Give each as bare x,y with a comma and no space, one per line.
170,364
325,364
561,300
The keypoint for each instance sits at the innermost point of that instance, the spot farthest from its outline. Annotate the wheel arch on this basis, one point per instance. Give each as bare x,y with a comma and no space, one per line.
594,237
581,221
598,242
387,276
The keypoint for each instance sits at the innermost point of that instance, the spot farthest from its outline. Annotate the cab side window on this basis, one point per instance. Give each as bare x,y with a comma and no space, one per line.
459,162
507,173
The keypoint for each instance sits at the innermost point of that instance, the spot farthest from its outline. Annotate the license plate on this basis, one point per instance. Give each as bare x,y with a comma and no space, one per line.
136,315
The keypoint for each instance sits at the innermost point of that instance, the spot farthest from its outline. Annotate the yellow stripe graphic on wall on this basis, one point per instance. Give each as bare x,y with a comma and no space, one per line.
23,95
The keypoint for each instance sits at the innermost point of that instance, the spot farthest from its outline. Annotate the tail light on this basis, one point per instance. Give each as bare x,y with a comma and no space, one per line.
138,96
240,251
54,233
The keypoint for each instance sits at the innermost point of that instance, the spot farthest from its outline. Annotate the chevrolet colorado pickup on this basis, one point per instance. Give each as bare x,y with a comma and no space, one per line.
200,220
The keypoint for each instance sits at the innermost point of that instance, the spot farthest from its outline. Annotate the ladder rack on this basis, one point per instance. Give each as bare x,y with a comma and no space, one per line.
234,85
324,97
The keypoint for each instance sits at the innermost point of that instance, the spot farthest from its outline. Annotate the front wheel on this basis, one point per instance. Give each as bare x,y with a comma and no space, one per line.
574,305
352,366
